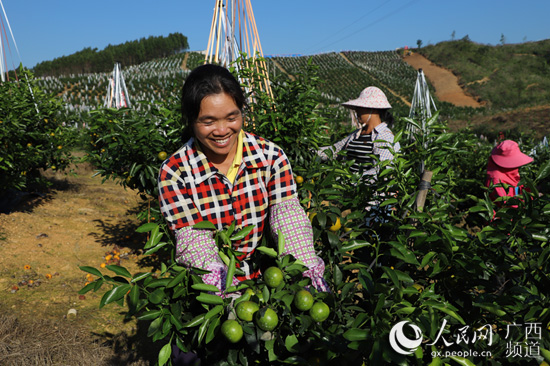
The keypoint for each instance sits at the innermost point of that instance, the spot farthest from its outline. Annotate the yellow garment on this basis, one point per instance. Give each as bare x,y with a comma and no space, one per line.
237,159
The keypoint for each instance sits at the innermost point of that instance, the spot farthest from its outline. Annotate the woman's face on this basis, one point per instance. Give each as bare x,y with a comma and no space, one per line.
364,114
217,127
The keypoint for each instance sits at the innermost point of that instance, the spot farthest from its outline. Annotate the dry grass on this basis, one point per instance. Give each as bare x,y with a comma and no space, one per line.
45,343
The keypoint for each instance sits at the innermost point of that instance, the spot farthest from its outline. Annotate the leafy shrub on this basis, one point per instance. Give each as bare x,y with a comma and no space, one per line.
31,135
455,264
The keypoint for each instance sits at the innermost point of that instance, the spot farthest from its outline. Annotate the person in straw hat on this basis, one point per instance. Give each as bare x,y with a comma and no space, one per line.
372,138
503,168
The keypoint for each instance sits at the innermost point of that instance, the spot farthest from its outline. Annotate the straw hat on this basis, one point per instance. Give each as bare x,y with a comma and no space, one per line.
508,155
370,97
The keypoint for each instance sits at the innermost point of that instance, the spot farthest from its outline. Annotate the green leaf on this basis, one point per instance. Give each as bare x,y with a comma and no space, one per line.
268,251
176,321
387,202
195,321
154,238
115,294
230,272
119,270
202,330
355,334
436,362
177,280
155,326
354,245
291,343
544,172
462,361
210,299
224,257
280,242
157,296
141,276
91,270
206,225
150,315
214,311
445,309
133,297
492,308
241,234
87,288
211,333
338,276
164,354
146,227
545,353
205,287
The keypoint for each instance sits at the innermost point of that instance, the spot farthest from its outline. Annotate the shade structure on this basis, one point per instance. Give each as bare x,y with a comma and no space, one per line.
421,111
422,102
233,31
5,45
117,93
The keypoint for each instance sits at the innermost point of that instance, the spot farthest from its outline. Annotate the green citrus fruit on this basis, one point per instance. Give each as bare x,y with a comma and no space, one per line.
245,310
232,330
303,300
268,321
319,311
162,155
273,277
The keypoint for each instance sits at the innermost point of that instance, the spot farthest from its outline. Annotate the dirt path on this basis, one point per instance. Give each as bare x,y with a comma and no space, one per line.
446,84
44,240
184,62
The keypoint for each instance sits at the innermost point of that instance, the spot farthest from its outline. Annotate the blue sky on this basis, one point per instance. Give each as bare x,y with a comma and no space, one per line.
44,30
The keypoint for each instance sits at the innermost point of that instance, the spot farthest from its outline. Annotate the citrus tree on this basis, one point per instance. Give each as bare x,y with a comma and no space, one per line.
453,267
32,135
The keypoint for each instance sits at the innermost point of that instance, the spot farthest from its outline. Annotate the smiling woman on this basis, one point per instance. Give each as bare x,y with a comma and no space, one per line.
225,175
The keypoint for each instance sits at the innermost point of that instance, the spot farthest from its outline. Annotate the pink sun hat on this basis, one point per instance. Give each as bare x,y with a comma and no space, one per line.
370,97
508,155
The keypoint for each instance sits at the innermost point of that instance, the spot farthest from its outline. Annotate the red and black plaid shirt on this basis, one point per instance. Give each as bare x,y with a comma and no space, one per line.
192,190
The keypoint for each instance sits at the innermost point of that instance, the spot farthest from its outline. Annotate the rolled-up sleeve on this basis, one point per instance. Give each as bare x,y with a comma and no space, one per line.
291,220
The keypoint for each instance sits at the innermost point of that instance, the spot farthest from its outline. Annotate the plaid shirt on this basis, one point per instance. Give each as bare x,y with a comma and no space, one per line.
382,138
192,190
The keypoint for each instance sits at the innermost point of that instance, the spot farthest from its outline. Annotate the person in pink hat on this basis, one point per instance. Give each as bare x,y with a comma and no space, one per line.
372,138
503,168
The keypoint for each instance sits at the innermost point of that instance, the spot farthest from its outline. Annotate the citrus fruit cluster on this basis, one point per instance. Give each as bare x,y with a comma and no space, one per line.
251,309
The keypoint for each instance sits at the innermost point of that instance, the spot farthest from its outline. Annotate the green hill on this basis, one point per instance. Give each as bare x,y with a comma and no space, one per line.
511,81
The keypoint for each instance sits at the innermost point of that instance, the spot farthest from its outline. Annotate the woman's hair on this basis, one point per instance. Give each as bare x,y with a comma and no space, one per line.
203,81
386,116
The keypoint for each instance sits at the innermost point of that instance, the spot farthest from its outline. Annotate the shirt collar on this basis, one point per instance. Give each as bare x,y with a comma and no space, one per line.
253,156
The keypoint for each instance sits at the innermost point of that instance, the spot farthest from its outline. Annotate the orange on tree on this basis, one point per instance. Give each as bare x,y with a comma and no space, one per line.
311,215
232,330
303,300
299,179
336,226
273,277
319,312
162,155
246,309
266,319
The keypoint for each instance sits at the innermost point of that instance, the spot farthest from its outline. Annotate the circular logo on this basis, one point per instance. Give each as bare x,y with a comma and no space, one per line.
399,341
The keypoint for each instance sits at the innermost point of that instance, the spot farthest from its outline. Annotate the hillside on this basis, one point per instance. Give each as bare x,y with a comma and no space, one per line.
495,87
